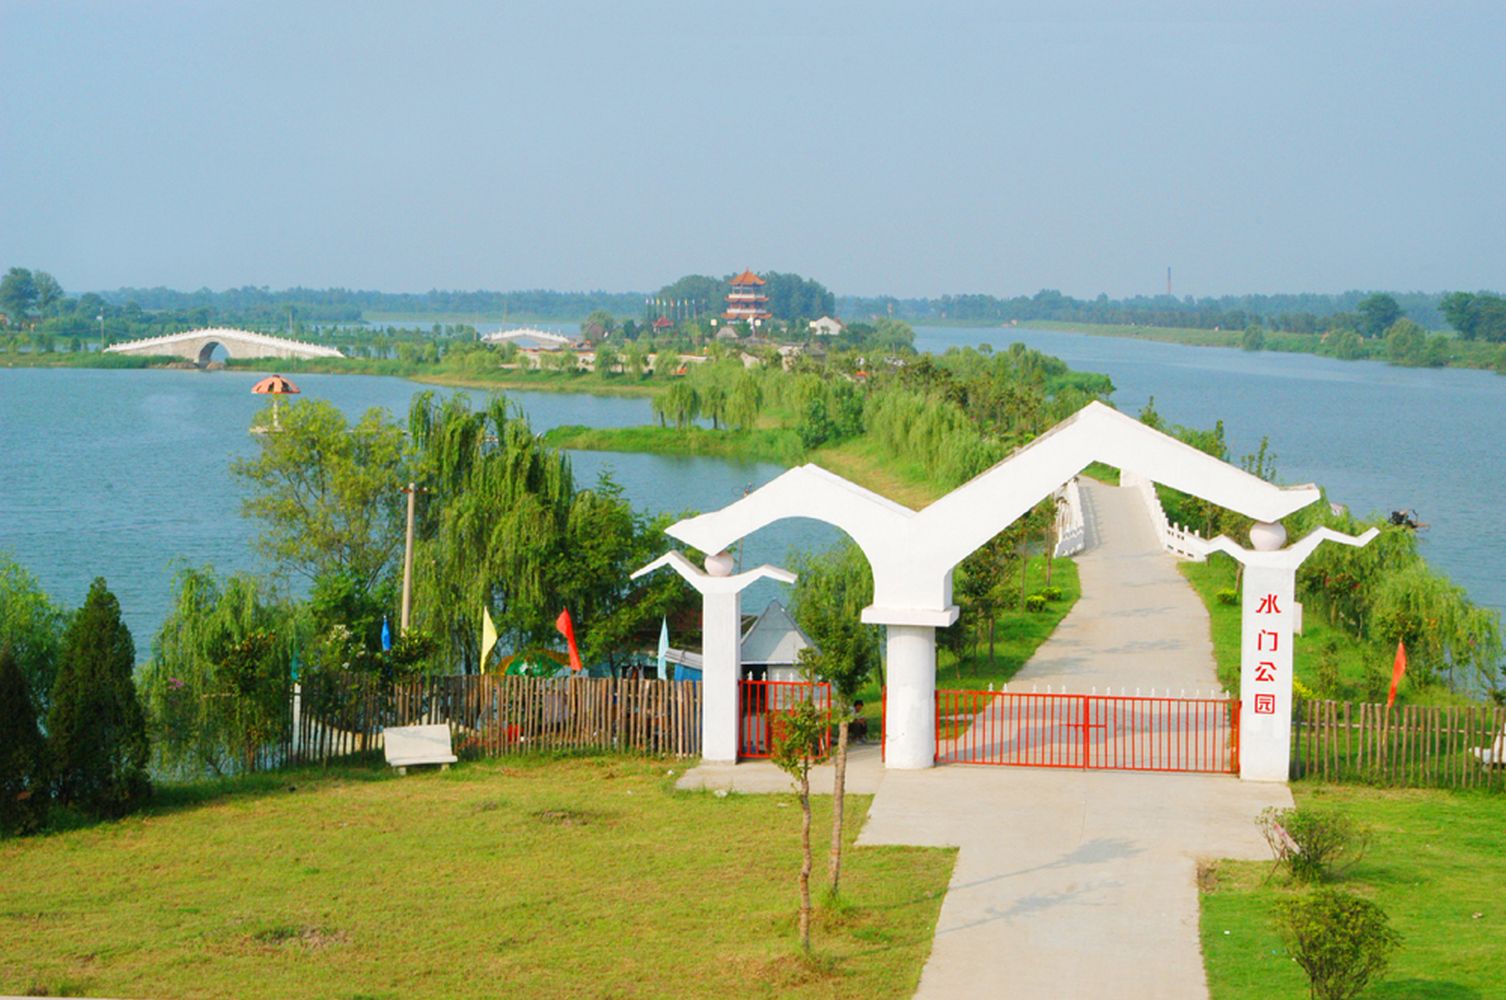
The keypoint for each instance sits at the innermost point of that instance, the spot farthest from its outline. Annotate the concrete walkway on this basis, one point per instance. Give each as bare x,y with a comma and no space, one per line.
1071,883
1138,624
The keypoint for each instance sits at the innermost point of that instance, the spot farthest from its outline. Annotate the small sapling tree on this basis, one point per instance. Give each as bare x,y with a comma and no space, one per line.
797,735
96,730
830,596
1342,941
22,777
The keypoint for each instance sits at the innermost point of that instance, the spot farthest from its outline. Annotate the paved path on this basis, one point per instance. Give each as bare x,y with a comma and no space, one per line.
1138,623
1072,883
1069,884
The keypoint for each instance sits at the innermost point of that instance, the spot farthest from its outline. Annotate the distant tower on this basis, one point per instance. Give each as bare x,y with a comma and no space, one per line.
747,300
1168,280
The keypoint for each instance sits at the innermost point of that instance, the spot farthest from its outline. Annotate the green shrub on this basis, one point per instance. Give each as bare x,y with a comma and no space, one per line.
1035,602
1052,593
22,777
96,731
1313,844
1227,595
1340,940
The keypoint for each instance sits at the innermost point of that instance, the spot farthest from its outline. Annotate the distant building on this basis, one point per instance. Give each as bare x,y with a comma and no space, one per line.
746,300
728,333
826,326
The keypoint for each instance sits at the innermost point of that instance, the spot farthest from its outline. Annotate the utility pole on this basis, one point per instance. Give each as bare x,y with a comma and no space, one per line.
412,489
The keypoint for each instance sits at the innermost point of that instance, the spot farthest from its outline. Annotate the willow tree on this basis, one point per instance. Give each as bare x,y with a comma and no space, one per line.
505,528
218,684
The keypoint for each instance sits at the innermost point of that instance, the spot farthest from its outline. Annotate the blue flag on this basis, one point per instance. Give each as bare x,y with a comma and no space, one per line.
663,648
386,635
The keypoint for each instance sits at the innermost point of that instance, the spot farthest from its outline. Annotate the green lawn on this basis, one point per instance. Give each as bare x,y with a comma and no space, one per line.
584,876
758,445
1434,865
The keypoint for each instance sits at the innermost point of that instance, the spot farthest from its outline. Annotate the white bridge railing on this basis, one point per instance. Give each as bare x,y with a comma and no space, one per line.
1180,540
1071,531
223,334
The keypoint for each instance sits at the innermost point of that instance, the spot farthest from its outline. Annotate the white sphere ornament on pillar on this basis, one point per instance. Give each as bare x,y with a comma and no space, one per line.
719,564
1266,536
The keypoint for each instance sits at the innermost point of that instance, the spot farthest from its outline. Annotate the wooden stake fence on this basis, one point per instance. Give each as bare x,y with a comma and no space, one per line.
333,714
1407,746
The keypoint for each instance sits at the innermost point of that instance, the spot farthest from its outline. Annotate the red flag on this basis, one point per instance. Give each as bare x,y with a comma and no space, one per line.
1397,670
567,629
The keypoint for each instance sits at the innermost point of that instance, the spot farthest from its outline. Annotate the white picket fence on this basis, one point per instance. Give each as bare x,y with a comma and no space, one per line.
1180,540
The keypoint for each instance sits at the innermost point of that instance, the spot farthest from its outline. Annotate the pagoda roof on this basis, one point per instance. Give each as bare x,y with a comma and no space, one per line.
747,278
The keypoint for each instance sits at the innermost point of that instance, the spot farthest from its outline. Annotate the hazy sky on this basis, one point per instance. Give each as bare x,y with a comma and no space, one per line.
915,148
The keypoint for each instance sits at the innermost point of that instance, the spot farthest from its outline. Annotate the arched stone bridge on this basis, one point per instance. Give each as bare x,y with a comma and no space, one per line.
198,346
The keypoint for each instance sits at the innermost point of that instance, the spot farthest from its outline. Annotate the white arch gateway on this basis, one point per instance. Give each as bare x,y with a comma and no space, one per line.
913,553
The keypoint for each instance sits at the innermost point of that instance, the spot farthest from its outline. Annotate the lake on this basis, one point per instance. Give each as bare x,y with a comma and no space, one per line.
124,473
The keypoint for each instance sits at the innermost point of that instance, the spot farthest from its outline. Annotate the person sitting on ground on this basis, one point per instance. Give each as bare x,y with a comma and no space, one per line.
857,726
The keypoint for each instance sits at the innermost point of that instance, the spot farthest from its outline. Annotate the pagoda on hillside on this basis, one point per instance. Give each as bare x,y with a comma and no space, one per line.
747,301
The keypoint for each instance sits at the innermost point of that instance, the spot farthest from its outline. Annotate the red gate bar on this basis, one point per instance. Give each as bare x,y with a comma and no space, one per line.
760,705
1198,735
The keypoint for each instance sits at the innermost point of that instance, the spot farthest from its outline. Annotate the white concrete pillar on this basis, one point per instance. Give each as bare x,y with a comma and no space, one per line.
721,669
1269,612
1265,672
721,650
910,709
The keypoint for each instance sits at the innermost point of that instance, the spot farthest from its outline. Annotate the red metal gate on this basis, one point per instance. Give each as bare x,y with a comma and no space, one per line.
763,703
1088,731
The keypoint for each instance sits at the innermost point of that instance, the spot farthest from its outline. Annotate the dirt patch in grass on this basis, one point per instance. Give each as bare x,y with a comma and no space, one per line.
302,938
570,817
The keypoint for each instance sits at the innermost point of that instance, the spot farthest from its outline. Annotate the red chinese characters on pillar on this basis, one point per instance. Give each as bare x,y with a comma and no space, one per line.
1266,641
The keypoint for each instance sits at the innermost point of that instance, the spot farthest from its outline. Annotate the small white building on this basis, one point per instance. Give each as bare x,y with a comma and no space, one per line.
827,326
770,650
771,646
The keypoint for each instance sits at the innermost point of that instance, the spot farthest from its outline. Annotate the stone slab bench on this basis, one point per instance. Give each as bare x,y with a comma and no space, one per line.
1494,755
407,746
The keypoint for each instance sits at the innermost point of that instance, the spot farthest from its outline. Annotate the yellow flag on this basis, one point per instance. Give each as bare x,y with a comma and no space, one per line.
488,636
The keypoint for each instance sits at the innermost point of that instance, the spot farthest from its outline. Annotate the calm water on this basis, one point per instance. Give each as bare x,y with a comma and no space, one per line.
124,473
1378,438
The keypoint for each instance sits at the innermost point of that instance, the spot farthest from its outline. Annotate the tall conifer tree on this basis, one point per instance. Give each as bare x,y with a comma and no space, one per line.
22,774
96,731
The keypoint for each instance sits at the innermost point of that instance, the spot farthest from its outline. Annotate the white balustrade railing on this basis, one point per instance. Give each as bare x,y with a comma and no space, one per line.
224,333
1071,532
1178,539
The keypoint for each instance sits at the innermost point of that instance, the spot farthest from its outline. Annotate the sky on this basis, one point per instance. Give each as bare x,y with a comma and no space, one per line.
913,149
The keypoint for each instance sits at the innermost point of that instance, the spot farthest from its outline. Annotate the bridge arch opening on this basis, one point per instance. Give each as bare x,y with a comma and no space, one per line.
211,353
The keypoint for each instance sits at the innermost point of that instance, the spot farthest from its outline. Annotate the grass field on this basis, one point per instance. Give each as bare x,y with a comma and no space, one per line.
760,445
533,877
1434,866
